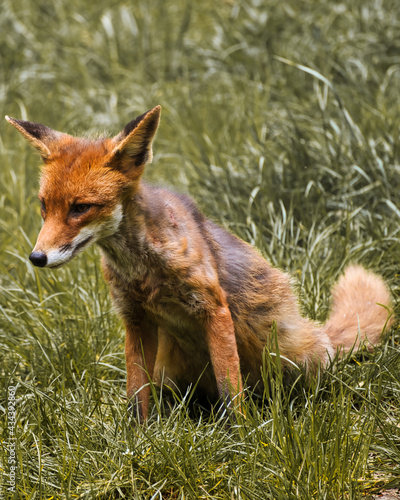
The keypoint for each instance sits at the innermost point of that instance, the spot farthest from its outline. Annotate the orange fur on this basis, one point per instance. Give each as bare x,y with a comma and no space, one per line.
360,302
195,299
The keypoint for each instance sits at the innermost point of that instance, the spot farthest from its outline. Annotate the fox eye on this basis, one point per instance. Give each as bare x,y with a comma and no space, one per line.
43,208
80,208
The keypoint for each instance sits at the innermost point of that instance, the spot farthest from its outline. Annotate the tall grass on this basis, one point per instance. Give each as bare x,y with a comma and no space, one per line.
282,120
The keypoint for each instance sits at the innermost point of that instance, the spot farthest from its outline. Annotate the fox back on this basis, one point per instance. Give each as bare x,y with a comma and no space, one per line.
197,302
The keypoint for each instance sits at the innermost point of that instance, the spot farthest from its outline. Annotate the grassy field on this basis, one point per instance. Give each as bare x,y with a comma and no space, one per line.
282,120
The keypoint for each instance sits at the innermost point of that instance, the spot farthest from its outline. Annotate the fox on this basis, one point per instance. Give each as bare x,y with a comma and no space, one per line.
200,306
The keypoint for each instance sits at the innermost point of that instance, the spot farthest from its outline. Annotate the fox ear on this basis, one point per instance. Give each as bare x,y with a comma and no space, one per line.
133,145
38,135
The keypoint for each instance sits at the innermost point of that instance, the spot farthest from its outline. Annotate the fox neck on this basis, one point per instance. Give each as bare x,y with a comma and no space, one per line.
125,251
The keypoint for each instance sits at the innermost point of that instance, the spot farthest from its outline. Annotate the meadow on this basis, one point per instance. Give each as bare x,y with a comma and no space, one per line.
282,119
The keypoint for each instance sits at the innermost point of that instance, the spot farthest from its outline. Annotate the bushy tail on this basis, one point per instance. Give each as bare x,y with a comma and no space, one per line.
361,309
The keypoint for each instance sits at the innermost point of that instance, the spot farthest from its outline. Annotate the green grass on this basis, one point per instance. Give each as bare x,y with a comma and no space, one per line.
282,120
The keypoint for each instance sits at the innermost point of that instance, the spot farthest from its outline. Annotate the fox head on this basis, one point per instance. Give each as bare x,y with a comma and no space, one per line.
85,183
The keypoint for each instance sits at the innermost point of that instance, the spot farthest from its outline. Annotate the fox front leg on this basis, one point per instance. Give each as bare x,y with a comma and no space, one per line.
140,353
224,356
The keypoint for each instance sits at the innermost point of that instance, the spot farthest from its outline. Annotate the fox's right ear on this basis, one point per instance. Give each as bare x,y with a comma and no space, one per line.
132,149
38,135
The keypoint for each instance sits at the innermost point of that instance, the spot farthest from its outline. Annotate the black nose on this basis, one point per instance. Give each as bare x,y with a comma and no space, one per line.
38,259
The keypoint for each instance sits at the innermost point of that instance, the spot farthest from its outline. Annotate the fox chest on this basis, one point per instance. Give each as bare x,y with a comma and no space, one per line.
166,302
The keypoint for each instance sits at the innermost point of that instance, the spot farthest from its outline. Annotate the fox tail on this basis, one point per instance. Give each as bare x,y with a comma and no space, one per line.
361,310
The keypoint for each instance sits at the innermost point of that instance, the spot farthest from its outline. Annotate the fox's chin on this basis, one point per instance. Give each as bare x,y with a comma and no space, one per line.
63,263
57,266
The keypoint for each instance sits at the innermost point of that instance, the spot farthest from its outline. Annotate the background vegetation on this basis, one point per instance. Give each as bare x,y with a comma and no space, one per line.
282,119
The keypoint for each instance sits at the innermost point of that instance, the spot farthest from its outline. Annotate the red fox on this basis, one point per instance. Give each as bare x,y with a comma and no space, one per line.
197,302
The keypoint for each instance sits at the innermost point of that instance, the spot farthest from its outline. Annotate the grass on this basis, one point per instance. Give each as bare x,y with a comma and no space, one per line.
282,120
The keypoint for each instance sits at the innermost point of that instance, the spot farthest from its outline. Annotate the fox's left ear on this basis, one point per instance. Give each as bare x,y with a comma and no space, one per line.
40,136
133,145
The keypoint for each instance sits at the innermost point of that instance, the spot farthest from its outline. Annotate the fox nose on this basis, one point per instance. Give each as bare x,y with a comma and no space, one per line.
38,259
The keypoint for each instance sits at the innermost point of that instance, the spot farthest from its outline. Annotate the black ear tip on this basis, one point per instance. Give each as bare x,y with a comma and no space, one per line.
156,112
151,118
